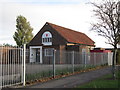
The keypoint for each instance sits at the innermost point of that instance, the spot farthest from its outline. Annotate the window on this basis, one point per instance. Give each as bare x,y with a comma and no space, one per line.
49,52
47,38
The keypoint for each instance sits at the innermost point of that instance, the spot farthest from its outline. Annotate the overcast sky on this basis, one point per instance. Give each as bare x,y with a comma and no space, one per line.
73,14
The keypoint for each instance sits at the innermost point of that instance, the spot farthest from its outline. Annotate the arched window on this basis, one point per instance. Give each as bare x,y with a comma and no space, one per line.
47,38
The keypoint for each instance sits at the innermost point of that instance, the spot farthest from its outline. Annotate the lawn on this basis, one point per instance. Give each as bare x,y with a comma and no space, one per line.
104,82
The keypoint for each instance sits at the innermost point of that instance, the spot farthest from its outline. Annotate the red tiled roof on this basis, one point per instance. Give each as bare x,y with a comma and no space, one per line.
72,36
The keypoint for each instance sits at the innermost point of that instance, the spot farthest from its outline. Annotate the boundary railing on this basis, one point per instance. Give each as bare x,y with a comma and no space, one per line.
65,63
12,66
14,69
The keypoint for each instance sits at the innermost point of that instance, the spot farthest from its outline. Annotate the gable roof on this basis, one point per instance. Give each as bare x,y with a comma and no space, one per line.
72,36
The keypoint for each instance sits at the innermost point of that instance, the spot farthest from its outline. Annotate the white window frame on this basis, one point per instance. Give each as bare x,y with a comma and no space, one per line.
47,40
48,51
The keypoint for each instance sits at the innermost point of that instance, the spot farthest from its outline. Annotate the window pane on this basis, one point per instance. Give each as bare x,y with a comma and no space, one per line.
50,39
45,39
49,52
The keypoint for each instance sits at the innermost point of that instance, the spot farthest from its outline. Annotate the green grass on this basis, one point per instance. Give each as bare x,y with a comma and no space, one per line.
104,82
38,75
70,70
49,73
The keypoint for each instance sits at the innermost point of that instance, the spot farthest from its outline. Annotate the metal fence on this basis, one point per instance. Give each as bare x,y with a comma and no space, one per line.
64,63
14,69
11,66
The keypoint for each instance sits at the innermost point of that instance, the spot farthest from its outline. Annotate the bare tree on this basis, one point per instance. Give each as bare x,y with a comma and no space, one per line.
108,24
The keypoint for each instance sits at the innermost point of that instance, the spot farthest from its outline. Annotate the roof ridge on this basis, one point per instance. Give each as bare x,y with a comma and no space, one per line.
64,27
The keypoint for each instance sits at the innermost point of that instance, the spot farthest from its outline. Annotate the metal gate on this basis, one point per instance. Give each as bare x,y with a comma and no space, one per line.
11,66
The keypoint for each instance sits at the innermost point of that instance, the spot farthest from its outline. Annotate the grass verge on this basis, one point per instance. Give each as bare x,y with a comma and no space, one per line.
104,82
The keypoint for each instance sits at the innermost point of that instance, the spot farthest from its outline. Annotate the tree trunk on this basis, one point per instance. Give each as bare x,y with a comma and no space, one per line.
114,62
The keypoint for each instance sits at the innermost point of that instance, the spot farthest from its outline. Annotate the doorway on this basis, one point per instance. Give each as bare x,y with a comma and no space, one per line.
36,54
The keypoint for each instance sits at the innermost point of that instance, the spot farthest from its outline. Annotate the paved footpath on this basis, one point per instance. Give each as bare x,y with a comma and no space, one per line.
73,81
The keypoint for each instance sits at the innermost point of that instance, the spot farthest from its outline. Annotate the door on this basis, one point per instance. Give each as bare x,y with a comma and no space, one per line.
38,55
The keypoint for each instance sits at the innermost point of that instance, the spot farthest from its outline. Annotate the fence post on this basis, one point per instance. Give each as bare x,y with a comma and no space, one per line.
73,61
1,68
24,67
94,59
85,58
103,59
54,53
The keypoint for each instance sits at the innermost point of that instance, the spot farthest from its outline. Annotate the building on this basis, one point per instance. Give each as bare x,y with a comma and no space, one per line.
100,55
53,37
100,50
